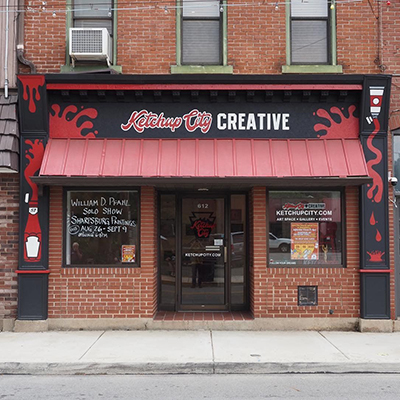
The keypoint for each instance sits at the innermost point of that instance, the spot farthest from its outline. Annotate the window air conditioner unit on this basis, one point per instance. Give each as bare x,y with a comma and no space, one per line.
89,44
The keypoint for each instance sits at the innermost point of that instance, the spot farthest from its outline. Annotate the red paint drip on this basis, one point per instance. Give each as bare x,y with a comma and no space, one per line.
31,86
34,157
65,127
378,236
377,183
376,256
347,128
372,220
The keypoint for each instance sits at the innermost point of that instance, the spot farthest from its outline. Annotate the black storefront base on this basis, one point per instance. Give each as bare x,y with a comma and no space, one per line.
32,296
375,295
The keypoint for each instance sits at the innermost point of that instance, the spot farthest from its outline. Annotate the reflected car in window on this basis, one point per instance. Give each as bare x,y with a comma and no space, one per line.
281,244
237,245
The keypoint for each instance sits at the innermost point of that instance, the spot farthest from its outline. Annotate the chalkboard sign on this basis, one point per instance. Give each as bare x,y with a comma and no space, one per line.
102,227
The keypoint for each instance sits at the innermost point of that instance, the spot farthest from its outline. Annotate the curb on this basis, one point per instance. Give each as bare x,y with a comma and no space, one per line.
13,368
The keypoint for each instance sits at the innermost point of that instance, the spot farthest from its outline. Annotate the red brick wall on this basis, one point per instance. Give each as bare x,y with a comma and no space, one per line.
256,45
390,58
258,251
274,290
391,223
104,292
9,226
256,38
357,37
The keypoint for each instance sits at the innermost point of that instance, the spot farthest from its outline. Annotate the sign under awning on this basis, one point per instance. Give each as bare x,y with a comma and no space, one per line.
248,160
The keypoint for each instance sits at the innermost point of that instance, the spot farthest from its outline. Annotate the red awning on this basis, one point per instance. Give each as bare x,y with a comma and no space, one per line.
233,159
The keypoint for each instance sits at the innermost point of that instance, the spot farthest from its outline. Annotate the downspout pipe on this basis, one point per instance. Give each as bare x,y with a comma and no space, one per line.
6,51
20,39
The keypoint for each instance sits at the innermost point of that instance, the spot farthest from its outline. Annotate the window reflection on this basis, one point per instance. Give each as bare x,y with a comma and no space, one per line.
167,250
238,249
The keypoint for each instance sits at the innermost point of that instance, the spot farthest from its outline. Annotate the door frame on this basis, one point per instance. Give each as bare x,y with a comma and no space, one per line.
226,195
179,305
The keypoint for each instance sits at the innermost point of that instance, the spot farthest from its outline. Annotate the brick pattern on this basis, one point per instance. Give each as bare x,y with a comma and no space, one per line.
9,233
203,316
274,290
130,293
391,223
390,59
104,292
258,251
256,45
256,38
357,38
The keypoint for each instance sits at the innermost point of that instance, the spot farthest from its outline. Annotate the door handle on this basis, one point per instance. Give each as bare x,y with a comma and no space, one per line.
225,254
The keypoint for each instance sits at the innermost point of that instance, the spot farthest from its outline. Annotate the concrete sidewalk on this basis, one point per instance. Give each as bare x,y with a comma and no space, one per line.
198,352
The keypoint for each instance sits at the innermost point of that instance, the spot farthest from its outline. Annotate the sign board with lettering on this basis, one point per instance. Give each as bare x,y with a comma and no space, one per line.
203,119
102,227
305,241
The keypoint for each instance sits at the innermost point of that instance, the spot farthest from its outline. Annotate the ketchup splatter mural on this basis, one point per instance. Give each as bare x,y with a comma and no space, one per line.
33,232
346,127
344,123
76,123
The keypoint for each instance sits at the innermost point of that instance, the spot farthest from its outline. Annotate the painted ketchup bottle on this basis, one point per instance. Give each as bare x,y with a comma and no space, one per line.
32,234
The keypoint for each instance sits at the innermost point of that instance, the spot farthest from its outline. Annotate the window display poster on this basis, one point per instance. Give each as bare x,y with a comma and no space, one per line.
305,241
128,252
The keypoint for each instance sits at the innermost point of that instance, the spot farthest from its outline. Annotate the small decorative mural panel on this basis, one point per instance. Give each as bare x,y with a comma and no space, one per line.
33,104
202,223
33,207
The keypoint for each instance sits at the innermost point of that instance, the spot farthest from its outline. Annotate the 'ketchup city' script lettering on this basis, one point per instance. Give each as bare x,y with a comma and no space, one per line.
195,119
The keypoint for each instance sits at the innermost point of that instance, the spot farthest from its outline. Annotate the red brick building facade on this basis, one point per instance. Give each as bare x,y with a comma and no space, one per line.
150,67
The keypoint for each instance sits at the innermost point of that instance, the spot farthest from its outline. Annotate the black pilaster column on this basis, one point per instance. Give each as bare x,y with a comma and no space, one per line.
34,201
375,261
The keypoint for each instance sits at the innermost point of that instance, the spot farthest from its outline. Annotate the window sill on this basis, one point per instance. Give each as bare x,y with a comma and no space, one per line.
310,266
312,69
91,68
201,69
106,266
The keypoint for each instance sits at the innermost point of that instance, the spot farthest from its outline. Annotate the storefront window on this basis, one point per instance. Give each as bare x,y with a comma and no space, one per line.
305,228
396,157
102,228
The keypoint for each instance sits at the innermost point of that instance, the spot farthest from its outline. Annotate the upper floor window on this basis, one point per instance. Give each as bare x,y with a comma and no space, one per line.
311,37
201,31
92,28
93,14
310,32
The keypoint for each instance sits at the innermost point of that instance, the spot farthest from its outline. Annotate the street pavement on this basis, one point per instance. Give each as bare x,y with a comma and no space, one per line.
198,352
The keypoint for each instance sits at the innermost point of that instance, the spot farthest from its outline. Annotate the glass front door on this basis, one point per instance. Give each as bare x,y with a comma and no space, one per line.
203,253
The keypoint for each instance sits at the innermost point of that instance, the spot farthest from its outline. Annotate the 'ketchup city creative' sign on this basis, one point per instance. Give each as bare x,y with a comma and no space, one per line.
206,120
202,120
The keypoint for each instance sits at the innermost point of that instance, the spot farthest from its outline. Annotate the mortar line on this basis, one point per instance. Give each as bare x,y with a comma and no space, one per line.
212,351
84,354
337,348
